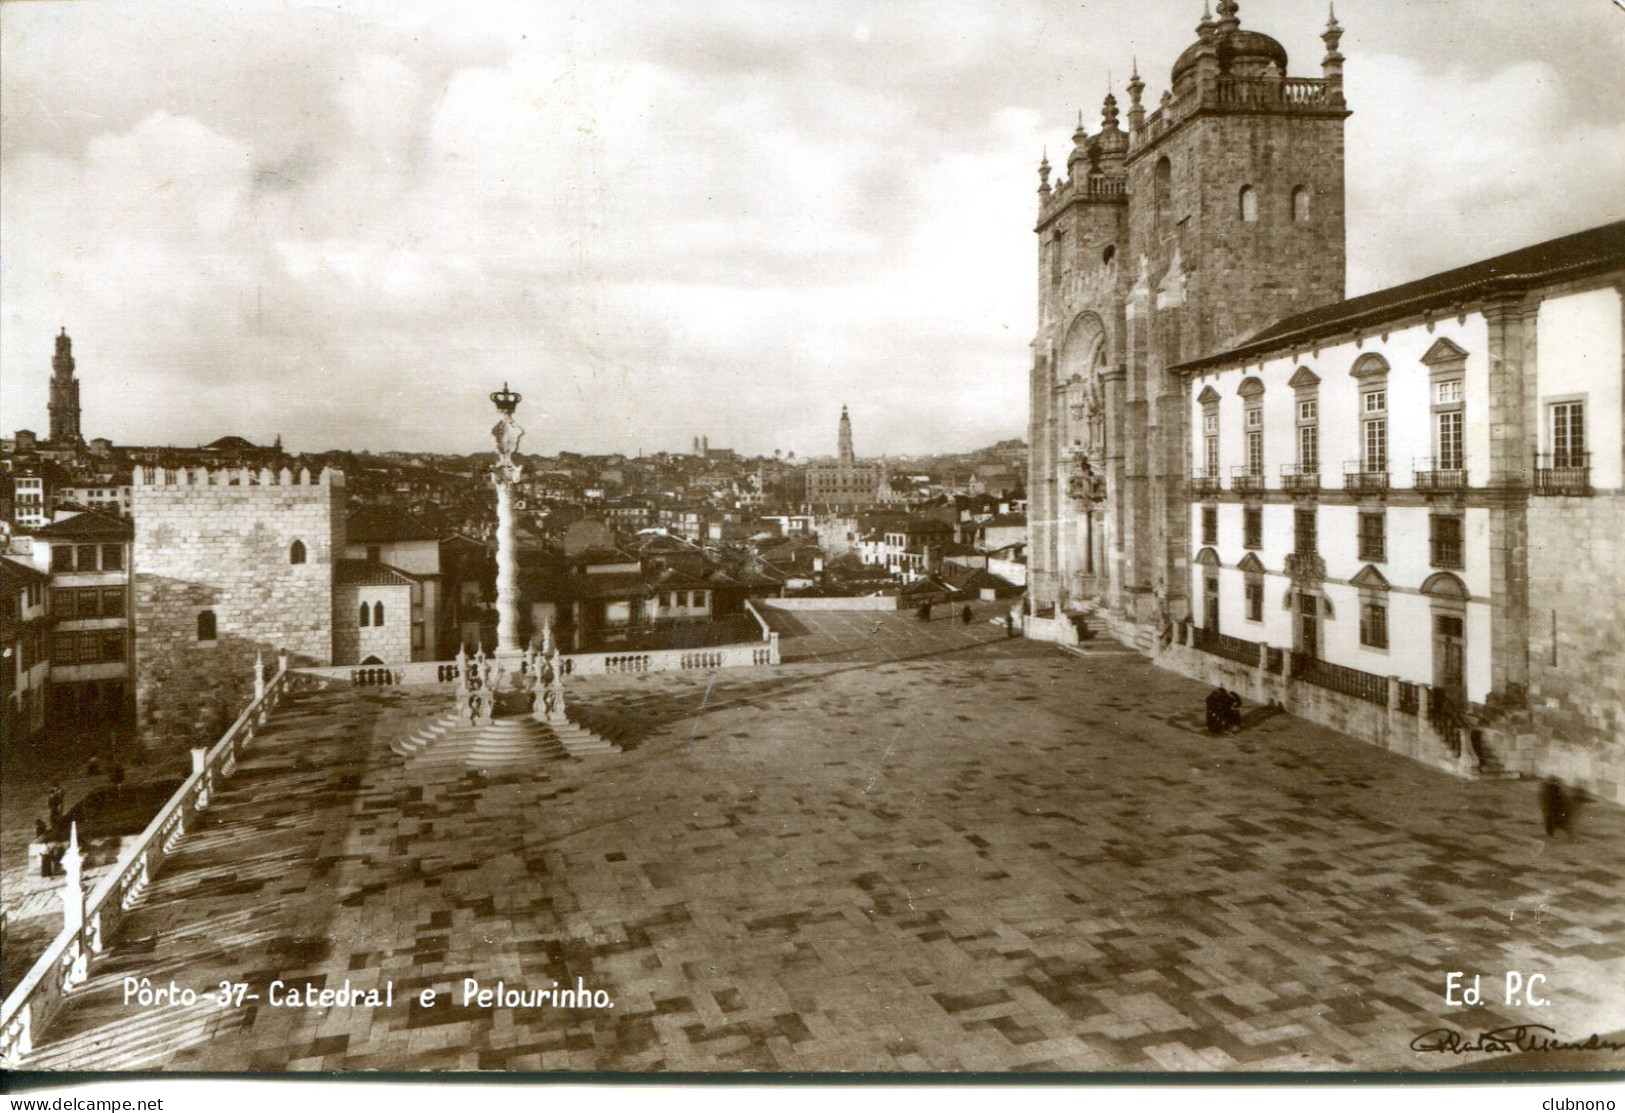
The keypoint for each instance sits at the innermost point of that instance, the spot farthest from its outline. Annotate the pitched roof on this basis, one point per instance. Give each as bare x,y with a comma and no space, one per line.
376,524
88,525
369,573
14,573
1592,251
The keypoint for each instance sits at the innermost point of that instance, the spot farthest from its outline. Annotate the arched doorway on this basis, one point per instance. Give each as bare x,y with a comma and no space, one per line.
1077,461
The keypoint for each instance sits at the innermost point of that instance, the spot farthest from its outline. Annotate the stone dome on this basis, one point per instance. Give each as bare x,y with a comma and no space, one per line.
1243,53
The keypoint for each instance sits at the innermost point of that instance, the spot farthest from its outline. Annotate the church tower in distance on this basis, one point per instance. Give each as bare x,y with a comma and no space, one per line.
1206,220
64,405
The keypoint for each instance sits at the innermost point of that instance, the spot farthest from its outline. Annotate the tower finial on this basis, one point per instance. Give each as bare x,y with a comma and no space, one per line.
1204,27
1229,17
1332,64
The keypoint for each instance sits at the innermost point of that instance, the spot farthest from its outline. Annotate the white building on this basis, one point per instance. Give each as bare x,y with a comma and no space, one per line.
1424,484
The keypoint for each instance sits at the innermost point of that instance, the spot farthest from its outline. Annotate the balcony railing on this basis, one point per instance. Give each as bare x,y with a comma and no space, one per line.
1300,477
1340,678
1563,473
1366,478
1223,645
1432,475
1206,483
1247,479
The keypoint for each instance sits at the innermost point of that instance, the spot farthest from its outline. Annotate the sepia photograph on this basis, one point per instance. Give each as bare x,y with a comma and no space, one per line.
1153,609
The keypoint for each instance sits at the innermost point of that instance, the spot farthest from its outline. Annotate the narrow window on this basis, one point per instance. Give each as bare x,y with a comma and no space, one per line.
1249,204
1374,623
377,614
1210,525
1255,441
1304,539
296,553
1253,527
366,615
1374,537
1300,205
1568,435
1163,190
1210,442
1374,429
206,629
1255,597
1446,536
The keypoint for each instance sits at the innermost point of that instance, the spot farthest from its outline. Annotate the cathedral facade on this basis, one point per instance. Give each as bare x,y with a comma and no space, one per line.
1208,218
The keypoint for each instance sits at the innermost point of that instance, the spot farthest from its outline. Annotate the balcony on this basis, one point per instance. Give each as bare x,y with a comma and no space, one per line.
1204,483
1299,478
1430,476
1365,479
1563,473
1247,479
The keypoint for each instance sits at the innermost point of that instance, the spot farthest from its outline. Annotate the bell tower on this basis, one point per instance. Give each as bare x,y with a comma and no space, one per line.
64,405
1218,212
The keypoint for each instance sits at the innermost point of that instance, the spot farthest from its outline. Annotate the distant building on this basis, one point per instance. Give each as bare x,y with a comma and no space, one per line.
846,482
64,404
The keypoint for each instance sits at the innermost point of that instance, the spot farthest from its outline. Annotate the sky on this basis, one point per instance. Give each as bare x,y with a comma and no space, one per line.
348,223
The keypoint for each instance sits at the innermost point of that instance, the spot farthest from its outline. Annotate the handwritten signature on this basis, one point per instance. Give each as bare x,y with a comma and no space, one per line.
1518,1037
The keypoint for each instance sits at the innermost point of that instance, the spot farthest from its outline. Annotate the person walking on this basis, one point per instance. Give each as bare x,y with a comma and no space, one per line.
964,615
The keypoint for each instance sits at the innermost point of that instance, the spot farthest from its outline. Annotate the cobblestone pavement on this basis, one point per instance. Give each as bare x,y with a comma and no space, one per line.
990,855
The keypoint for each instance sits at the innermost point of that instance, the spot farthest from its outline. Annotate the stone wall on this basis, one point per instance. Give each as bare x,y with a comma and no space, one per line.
222,542
1577,643
391,643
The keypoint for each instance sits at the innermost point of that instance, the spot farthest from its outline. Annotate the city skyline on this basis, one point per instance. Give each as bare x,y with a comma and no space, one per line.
727,222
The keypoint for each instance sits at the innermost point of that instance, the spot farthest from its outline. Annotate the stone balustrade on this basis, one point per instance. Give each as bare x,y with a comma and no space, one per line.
91,921
739,655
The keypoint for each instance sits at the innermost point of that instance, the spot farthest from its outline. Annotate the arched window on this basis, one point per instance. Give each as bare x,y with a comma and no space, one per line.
206,627
1109,254
296,553
1249,204
377,614
366,615
1300,205
1162,189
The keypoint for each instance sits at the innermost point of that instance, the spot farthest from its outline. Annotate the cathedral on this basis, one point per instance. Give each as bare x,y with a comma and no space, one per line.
1214,214
1391,514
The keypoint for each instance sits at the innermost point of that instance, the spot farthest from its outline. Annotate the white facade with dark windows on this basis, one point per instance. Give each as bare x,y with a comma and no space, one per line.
1386,493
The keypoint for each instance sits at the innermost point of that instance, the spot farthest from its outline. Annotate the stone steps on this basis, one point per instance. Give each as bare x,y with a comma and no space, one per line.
515,742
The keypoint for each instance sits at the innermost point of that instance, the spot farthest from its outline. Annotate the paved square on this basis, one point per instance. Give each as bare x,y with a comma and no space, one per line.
924,848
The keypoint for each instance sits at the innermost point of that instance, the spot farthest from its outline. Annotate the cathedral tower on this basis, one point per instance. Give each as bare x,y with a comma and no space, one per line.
1211,217
843,441
64,404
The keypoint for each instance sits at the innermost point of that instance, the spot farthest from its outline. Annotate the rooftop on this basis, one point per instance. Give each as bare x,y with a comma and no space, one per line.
88,525
370,573
379,524
1593,251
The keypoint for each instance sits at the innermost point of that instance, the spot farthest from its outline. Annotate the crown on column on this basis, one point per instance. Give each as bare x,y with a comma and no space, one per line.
506,400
